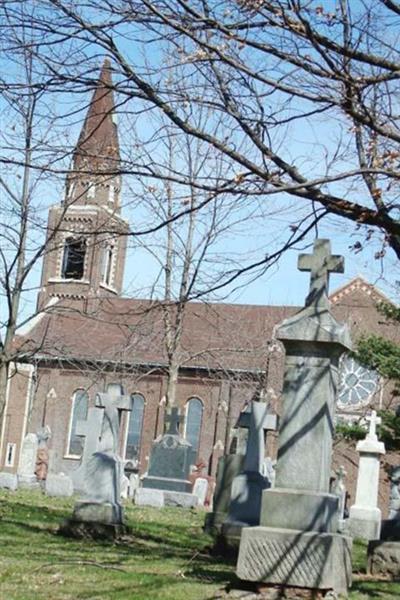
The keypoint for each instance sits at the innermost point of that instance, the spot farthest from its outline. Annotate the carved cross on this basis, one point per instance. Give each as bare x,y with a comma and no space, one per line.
173,419
374,420
113,401
320,263
91,431
257,419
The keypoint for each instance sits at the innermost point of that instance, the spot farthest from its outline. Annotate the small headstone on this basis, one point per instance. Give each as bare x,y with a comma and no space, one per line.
134,482
200,489
27,461
8,481
339,490
124,487
365,516
59,484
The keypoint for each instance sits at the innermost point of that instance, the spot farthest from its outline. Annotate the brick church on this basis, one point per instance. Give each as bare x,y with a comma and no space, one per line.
87,335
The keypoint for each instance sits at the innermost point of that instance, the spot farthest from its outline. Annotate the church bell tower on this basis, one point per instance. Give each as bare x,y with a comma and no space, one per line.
86,235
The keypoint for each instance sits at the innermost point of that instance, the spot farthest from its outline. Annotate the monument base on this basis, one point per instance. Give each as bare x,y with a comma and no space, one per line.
295,558
300,510
161,498
390,530
92,530
384,558
166,483
98,512
28,483
365,523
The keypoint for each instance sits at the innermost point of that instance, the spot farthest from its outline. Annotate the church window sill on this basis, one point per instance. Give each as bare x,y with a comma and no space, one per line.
109,288
62,280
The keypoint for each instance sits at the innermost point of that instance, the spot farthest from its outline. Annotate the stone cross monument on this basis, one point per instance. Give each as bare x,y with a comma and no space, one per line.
247,486
297,543
99,511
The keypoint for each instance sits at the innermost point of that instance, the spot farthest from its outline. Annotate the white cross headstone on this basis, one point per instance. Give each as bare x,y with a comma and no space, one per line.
257,419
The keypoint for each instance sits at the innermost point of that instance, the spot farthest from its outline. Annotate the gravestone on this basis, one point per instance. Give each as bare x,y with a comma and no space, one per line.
200,489
297,543
99,512
169,467
8,481
365,516
27,462
90,430
248,486
339,490
59,485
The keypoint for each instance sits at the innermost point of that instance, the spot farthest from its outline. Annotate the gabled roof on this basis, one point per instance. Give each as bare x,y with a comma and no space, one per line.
359,284
126,331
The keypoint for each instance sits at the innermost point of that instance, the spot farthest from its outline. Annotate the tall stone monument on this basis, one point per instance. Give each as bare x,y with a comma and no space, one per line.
365,516
167,481
27,462
99,511
297,543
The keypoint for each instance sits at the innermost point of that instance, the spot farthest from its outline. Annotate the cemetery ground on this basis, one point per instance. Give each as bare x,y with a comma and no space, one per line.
166,556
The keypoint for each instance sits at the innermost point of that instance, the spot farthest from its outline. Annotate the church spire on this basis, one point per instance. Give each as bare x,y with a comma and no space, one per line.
94,178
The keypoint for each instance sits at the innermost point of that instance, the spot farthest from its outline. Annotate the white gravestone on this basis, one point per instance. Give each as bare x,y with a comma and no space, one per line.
27,461
365,516
200,489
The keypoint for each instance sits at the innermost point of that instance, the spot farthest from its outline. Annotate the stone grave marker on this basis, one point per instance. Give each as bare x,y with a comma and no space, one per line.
200,489
27,462
91,431
59,485
42,456
169,467
99,512
297,543
365,516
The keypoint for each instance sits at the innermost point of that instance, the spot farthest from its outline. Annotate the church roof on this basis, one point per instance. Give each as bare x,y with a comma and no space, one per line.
216,336
127,331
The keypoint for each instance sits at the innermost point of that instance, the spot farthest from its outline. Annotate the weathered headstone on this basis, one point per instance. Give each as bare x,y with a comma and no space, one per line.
365,516
339,490
169,467
200,489
297,543
58,484
8,481
247,487
27,462
100,511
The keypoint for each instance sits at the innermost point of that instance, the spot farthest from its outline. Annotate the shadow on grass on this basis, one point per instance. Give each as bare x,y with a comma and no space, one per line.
150,541
376,588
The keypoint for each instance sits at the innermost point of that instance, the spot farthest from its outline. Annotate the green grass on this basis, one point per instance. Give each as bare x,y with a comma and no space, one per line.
166,557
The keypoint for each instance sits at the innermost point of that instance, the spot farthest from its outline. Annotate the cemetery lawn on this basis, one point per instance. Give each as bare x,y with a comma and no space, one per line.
166,557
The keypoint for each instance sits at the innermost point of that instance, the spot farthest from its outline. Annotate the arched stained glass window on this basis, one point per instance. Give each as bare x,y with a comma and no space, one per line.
80,401
135,424
194,415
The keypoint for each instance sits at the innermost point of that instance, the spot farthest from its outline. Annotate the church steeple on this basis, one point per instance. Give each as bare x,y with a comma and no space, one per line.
86,236
94,177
